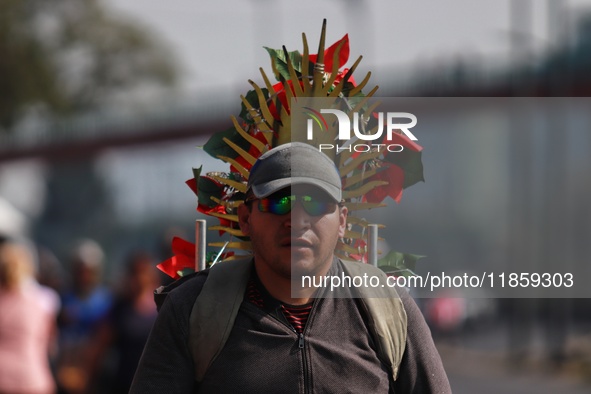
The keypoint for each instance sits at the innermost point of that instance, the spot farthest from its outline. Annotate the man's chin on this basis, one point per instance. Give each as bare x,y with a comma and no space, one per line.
305,266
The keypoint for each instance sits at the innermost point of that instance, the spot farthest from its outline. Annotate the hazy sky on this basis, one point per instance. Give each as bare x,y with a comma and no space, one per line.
220,43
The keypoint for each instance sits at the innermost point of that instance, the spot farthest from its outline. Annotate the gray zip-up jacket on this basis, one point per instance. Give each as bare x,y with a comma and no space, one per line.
263,354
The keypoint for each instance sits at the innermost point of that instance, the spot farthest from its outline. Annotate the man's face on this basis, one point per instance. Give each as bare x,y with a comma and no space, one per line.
302,239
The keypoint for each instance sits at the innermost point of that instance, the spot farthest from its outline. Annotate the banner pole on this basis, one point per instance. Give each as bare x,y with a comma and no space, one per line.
372,244
200,244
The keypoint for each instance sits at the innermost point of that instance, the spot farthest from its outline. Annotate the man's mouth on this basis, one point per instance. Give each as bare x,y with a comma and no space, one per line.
297,243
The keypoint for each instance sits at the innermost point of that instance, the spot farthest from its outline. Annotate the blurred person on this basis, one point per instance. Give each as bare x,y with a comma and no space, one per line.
446,314
50,271
51,276
27,324
555,315
84,306
520,314
129,321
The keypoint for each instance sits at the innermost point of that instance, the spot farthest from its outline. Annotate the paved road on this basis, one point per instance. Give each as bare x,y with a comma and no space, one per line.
479,373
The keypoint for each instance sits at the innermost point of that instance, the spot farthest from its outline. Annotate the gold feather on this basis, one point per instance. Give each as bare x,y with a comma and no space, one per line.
233,231
245,155
261,147
334,71
257,118
228,182
341,246
354,179
227,216
245,245
305,65
243,171
318,75
347,168
361,222
360,191
297,89
358,206
263,103
227,204
357,89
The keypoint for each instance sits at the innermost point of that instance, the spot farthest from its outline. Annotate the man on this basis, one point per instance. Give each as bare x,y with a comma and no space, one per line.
287,337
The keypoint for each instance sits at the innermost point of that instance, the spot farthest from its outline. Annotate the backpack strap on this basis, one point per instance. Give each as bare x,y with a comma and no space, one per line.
215,310
386,315
161,293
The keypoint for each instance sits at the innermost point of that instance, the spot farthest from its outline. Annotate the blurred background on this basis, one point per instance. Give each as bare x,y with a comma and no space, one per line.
105,103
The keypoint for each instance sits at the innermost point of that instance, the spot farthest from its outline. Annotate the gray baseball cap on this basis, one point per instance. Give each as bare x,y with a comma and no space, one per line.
294,163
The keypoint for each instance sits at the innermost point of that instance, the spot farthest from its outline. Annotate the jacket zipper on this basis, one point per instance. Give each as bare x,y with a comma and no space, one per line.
301,343
301,339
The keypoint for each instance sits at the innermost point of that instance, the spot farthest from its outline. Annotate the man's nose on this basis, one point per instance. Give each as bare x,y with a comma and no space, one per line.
298,217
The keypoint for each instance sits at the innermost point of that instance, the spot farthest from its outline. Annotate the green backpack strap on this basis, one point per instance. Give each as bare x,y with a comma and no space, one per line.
215,310
386,314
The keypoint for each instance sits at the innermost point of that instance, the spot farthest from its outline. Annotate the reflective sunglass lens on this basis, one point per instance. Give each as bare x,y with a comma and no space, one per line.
314,207
283,205
277,206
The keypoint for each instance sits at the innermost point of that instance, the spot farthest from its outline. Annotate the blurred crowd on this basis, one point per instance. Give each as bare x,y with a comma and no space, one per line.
62,328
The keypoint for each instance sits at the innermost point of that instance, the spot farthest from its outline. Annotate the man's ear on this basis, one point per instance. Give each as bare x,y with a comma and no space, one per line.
343,211
244,219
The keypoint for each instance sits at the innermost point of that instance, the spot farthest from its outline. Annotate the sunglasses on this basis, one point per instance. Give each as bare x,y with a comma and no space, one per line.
281,205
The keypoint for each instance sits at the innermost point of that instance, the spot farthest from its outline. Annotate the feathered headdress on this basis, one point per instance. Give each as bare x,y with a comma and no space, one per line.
265,121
